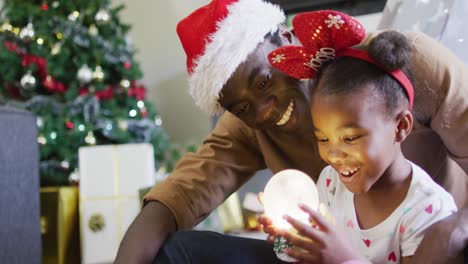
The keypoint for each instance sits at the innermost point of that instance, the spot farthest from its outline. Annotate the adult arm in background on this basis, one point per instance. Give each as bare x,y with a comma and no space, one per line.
445,76
228,157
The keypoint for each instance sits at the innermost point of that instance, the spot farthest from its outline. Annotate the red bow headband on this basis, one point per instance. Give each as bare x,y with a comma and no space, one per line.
326,34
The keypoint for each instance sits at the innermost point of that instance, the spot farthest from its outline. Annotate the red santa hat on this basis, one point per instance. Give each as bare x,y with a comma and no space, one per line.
217,38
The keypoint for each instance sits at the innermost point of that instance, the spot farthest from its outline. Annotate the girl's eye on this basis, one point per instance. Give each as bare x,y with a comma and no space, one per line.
351,139
264,83
322,140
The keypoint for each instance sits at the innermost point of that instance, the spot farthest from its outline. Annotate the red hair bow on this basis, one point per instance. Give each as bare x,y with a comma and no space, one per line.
322,34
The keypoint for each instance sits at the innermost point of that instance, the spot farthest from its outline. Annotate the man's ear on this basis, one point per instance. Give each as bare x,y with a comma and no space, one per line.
286,34
404,125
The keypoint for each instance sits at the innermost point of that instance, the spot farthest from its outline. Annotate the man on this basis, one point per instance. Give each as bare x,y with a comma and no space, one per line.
267,125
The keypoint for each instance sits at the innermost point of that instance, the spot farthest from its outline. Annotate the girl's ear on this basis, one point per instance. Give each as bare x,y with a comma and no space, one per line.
404,125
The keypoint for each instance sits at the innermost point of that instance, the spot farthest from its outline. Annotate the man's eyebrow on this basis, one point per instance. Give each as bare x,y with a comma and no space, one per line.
252,76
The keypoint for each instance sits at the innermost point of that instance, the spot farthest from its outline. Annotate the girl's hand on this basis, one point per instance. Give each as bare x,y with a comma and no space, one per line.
267,223
268,228
317,243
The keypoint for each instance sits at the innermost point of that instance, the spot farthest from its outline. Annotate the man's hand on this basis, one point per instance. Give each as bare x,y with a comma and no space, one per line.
444,241
146,234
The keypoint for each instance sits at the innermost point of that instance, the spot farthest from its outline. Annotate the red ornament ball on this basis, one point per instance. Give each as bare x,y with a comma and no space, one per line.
69,125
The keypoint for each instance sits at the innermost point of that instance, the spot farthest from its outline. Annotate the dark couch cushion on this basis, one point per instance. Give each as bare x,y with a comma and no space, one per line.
20,237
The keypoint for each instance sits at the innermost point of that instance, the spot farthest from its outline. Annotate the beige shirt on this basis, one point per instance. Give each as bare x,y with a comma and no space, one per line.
233,152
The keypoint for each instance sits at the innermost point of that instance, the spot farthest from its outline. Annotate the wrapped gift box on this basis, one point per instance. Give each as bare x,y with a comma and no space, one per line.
110,178
60,225
230,214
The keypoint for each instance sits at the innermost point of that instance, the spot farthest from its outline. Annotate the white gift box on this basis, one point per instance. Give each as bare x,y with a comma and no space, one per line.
110,177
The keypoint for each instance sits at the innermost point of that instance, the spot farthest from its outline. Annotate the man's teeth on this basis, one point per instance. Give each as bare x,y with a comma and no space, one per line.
349,171
287,114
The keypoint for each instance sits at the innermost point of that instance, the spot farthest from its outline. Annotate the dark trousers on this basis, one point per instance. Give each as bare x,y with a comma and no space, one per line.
466,256
205,247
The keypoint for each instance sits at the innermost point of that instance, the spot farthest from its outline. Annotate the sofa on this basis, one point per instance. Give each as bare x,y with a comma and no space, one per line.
20,233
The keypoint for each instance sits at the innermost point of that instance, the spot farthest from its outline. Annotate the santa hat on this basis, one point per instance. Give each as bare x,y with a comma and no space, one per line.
217,38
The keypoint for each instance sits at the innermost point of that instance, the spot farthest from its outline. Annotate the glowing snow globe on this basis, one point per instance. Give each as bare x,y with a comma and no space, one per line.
282,195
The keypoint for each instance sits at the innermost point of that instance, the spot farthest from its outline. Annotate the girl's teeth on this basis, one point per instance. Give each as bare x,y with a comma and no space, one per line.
348,172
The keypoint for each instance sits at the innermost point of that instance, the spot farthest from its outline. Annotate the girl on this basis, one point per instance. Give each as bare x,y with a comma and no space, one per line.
382,202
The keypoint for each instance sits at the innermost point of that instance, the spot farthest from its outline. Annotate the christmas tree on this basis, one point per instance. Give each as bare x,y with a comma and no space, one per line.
72,64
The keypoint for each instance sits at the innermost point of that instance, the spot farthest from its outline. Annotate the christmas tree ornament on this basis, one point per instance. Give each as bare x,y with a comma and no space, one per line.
6,27
53,135
102,17
132,113
74,177
59,35
44,6
74,16
65,164
93,30
41,140
84,74
39,122
127,65
27,33
48,82
124,83
56,48
144,112
141,104
90,139
282,195
98,74
40,41
123,125
69,125
15,30
55,4
109,126
28,81
158,121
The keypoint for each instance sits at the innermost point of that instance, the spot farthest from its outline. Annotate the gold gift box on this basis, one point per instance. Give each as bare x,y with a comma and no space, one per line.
60,225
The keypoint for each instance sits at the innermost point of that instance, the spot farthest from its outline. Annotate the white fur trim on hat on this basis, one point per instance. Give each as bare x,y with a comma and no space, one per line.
246,25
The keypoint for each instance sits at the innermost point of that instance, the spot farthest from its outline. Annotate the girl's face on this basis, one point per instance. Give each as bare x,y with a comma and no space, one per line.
356,137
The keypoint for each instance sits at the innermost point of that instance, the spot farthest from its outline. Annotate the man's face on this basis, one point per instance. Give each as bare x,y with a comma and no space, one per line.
356,137
264,98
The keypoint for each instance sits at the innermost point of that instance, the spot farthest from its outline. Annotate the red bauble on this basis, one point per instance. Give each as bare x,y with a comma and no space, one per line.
45,6
144,112
69,125
127,65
